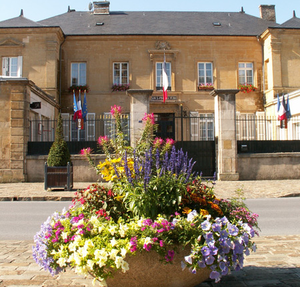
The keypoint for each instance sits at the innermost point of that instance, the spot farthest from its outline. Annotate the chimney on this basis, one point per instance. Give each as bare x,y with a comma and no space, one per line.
101,7
267,12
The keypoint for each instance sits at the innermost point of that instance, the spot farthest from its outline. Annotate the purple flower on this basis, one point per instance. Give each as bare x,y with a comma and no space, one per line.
215,275
205,251
209,259
188,259
216,227
201,264
147,247
232,229
205,225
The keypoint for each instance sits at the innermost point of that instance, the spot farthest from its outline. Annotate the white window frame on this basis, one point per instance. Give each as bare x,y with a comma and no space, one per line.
7,63
78,75
246,74
159,75
206,75
123,73
110,126
202,127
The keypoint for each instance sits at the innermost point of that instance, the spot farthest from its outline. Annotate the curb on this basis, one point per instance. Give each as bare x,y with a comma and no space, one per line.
36,198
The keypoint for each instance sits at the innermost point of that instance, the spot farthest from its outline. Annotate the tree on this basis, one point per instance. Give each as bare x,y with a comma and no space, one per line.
59,154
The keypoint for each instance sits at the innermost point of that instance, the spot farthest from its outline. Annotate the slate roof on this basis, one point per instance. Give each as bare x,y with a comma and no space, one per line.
292,23
19,22
159,23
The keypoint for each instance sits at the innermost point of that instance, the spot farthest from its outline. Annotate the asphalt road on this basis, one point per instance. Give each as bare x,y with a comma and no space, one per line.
21,220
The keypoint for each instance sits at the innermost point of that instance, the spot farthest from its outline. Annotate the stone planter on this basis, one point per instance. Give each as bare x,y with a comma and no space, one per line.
58,176
146,270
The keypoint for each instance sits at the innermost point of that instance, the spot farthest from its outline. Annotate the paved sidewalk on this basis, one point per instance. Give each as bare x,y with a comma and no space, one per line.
276,262
224,189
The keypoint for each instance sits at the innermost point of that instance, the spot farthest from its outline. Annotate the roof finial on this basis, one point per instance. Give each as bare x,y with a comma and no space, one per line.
242,10
21,14
294,14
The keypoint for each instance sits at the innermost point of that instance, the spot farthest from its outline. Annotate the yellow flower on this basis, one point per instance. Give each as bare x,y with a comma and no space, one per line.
204,212
186,210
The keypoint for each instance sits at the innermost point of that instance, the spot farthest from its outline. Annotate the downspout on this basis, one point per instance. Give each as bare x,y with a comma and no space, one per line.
60,71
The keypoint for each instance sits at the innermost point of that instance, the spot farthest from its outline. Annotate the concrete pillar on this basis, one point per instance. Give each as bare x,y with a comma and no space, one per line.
225,122
139,105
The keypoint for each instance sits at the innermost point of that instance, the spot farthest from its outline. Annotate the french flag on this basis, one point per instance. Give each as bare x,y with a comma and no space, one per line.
165,80
282,110
77,108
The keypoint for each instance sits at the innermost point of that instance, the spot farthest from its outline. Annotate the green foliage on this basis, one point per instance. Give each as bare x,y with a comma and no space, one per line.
59,154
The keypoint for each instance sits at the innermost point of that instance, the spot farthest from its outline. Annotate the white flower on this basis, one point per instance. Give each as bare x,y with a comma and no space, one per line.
113,253
61,262
125,266
64,235
118,261
113,242
147,240
112,229
77,258
72,246
192,215
123,229
123,252
90,264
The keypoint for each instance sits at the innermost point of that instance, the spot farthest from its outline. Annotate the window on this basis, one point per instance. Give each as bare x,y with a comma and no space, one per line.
202,127
297,131
159,75
78,74
245,73
205,74
121,73
12,66
110,126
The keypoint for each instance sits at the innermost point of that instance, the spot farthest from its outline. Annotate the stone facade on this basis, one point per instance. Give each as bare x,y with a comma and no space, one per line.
47,52
141,53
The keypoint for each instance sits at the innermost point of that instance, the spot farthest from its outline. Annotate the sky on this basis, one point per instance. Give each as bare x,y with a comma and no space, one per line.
40,9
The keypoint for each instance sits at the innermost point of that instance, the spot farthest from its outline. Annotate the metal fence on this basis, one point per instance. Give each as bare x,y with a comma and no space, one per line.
260,127
90,130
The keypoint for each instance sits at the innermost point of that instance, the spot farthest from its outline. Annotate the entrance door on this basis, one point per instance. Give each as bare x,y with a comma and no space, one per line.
166,125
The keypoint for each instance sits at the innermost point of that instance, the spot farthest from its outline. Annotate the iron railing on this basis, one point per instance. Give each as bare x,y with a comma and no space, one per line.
260,127
90,130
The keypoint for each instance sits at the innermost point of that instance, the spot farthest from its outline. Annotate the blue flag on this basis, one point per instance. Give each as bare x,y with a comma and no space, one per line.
74,105
288,111
84,107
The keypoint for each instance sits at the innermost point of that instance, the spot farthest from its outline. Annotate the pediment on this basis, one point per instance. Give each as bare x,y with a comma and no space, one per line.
10,42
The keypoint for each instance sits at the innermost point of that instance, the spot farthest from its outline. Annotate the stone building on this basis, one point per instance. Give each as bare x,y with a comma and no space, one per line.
103,51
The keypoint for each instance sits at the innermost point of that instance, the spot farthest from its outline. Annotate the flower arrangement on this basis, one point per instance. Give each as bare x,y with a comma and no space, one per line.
119,87
77,88
207,86
155,202
247,88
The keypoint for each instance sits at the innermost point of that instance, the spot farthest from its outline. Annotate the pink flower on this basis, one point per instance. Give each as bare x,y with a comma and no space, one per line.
170,141
158,141
86,151
102,140
149,117
115,110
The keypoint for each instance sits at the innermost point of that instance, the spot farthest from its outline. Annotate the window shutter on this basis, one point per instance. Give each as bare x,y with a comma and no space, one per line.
90,123
5,71
194,126
20,63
